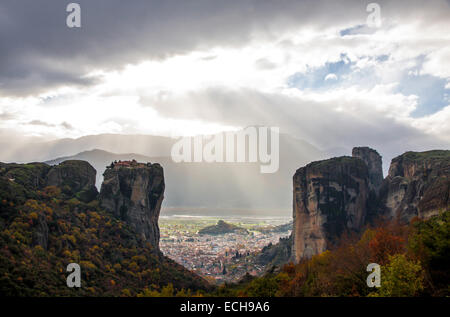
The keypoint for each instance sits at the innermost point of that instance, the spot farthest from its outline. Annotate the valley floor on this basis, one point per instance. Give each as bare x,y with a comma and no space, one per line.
218,258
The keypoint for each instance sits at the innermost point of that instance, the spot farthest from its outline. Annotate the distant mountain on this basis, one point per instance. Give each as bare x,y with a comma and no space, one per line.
222,227
201,185
33,151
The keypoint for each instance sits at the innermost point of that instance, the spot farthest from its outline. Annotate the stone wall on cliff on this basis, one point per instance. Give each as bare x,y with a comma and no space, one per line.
329,198
418,185
134,194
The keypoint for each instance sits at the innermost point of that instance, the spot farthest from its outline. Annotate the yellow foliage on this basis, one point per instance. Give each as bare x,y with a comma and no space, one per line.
126,292
87,264
38,248
33,215
133,266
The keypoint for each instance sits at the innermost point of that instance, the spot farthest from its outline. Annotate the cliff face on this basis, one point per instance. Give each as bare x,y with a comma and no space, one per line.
418,184
75,178
134,194
131,192
344,193
374,163
330,197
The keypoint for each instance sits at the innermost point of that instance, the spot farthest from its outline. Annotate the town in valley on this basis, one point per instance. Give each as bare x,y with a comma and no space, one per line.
221,257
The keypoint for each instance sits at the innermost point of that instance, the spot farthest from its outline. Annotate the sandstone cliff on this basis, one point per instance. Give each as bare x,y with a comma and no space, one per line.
374,163
330,197
75,178
344,193
418,184
134,193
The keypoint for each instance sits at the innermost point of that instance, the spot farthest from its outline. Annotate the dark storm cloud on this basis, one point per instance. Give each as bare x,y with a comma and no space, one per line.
38,51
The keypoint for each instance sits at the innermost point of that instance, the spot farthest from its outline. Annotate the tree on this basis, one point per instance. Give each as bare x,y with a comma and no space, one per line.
430,243
400,277
167,291
385,244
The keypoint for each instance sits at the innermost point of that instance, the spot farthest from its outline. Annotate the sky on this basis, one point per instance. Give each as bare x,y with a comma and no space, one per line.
315,69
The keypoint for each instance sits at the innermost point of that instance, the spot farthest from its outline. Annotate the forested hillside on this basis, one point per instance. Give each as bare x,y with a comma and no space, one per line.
414,261
43,229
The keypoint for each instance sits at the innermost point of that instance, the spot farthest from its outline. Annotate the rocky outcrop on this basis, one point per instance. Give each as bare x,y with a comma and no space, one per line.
418,185
134,193
20,182
345,193
75,178
374,163
31,176
330,197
